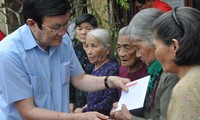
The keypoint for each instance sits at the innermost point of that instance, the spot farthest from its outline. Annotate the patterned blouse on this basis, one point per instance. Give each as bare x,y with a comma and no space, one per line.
102,101
185,101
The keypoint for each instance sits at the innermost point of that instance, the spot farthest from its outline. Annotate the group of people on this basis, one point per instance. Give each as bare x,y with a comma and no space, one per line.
94,52
46,75
169,45
161,83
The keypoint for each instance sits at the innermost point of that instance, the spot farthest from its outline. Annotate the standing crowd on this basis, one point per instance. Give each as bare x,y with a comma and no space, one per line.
46,75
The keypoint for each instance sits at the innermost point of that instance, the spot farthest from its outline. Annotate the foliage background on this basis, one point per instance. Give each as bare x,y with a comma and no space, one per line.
103,10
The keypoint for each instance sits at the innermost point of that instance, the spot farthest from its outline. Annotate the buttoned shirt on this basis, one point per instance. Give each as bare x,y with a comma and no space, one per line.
29,71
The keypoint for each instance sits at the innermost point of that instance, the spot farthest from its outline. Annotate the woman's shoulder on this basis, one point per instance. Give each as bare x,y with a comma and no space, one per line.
169,78
113,63
112,67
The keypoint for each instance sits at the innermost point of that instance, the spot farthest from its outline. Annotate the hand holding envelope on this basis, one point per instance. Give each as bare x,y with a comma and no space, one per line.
135,96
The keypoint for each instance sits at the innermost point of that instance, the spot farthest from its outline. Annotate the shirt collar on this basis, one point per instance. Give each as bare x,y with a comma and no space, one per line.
28,38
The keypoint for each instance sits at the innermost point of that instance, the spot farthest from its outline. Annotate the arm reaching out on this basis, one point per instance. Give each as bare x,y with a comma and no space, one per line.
97,83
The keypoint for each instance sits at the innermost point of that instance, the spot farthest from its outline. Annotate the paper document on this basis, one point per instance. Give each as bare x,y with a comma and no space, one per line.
135,96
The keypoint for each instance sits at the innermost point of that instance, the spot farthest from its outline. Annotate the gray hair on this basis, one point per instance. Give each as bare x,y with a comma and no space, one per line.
183,25
140,26
123,31
102,35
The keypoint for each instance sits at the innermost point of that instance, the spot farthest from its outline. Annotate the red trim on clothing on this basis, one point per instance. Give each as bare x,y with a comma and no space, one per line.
163,6
2,35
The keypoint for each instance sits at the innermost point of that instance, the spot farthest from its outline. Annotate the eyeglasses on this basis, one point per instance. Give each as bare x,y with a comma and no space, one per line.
56,30
176,19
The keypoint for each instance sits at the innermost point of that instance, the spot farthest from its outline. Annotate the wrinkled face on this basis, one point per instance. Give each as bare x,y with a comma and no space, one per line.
44,36
165,55
82,31
96,53
145,52
126,51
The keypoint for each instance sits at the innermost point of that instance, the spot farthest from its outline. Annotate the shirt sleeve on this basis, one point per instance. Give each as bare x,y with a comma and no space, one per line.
15,82
75,66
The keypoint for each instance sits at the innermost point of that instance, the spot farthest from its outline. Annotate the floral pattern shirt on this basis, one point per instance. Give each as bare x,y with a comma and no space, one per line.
102,101
185,101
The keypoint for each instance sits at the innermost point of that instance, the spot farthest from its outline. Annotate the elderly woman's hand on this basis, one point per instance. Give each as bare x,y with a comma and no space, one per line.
122,114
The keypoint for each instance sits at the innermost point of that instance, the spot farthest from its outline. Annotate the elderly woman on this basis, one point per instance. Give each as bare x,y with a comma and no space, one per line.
98,49
160,84
179,38
130,65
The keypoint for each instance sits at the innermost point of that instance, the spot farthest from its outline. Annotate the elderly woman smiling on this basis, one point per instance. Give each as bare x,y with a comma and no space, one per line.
98,49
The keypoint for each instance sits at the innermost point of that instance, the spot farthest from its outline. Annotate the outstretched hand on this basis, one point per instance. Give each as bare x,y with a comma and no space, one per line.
118,82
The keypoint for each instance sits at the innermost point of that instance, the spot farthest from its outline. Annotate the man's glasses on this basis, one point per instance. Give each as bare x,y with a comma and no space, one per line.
56,30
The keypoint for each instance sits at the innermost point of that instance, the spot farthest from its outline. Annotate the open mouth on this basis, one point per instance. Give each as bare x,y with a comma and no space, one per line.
123,61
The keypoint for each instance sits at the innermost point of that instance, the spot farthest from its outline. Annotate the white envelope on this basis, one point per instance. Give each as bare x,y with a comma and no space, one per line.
135,96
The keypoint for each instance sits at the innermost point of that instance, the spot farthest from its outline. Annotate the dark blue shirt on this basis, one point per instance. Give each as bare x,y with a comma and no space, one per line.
102,101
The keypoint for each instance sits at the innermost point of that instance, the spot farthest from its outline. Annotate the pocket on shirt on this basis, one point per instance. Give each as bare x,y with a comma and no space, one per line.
36,82
65,72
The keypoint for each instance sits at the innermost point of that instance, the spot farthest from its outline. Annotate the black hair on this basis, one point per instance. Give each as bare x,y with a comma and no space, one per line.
86,17
37,9
166,28
141,1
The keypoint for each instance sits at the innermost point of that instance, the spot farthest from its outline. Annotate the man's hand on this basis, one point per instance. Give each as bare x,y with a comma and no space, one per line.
118,82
